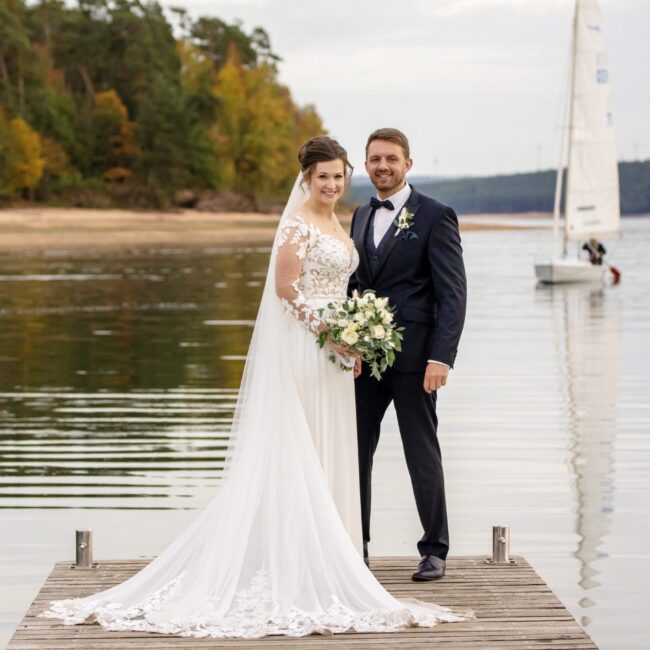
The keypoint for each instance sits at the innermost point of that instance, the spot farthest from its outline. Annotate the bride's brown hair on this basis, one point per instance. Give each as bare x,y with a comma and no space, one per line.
322,149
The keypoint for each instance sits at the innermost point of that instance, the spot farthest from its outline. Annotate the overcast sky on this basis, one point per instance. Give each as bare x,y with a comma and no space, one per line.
477,85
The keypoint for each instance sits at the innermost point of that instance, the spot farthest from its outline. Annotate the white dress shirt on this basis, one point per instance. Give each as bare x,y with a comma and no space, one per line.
384,217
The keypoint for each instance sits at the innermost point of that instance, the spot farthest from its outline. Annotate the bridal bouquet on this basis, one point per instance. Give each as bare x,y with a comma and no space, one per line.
364,323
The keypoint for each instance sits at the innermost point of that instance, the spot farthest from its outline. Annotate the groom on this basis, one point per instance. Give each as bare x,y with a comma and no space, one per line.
410,251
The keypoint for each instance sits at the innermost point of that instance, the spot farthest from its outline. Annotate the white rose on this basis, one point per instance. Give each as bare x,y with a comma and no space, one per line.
386,318
349,336
358,317
342,322
378,332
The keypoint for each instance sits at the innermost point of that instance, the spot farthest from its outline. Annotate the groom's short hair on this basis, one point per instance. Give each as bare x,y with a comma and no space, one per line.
392,135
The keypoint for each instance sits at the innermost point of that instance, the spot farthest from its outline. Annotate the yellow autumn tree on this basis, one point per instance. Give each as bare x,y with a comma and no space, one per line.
114,137
57,161
228,130
197,70
21,161
4,148
259,129
307,124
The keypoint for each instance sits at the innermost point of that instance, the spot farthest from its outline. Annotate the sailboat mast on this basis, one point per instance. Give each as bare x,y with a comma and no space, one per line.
574,49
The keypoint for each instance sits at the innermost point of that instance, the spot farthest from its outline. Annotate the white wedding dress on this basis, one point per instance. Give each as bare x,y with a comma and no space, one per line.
278,550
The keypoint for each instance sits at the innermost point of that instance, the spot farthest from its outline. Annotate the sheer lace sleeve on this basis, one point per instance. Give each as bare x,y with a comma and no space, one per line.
293,244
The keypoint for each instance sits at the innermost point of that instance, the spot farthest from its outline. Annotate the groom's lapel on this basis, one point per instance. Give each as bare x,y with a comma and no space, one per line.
365,212
412,205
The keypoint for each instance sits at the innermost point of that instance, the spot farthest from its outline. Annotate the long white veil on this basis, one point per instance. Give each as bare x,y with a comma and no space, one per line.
265,376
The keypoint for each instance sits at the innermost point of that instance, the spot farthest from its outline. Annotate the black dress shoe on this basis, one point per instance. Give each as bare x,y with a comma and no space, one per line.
365,554
430,568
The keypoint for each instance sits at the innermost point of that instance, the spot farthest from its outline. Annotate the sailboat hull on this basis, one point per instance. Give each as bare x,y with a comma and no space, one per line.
563,271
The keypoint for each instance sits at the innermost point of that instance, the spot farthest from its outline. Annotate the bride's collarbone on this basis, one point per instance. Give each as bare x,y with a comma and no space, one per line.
340,236
326,227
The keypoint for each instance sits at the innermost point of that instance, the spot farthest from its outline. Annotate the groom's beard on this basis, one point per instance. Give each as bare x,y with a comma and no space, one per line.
388,184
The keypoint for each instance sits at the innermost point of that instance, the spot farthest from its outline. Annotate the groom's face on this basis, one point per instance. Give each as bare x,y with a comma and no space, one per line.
387,165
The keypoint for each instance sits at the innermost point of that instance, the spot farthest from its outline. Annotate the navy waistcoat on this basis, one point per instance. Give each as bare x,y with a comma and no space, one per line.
374,253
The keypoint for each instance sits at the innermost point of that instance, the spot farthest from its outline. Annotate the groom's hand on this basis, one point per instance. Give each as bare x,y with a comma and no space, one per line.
357,367
435,376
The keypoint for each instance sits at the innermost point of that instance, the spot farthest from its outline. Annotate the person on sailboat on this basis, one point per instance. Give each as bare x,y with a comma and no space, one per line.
596,251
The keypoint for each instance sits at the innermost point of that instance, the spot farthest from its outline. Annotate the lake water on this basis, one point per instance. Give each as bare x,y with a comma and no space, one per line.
119,372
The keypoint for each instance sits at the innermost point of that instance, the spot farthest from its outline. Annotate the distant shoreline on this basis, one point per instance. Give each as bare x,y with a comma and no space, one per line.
45,228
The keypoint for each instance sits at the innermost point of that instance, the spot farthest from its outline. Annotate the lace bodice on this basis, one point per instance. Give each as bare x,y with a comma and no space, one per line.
312,269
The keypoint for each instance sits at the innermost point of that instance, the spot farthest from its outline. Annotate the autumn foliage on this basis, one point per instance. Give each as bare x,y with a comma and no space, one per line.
21,160
106,103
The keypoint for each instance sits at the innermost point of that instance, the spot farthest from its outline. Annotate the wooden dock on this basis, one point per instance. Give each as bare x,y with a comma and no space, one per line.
514,609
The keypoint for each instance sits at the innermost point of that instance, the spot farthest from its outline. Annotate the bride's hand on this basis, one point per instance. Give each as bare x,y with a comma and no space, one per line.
345,352
342,350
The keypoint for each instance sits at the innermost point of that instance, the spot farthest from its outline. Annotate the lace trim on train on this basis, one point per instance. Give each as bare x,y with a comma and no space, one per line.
254,614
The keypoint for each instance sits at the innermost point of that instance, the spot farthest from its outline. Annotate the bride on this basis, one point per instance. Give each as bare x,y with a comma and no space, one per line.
278,550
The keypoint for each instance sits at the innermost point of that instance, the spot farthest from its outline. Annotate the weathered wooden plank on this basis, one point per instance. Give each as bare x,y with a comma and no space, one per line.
514,608
340,641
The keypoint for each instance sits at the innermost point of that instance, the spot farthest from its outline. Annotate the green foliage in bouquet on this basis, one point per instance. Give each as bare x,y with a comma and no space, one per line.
365,325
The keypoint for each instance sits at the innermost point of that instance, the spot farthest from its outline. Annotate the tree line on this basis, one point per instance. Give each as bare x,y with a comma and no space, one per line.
527,192
108,103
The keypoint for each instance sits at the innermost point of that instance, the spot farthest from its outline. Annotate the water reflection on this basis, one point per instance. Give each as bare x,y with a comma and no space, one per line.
128,320
111,450
118,374
587,321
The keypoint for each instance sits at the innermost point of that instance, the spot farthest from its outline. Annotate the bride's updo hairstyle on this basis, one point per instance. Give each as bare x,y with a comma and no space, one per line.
322,149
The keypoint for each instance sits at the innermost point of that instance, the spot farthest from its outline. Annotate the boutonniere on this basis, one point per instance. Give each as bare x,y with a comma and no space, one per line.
403,221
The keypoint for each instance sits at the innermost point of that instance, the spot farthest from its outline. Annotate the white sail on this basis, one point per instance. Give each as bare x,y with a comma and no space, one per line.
592,203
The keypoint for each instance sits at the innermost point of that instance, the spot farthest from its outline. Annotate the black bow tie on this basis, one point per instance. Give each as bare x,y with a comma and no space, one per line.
376,203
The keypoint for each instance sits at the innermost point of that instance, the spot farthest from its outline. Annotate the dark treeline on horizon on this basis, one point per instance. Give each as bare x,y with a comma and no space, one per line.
526,192
103,104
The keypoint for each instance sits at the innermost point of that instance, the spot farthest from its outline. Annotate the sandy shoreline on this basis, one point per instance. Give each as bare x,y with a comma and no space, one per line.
42,228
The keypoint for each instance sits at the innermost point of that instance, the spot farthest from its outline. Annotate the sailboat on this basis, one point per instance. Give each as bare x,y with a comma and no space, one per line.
592,205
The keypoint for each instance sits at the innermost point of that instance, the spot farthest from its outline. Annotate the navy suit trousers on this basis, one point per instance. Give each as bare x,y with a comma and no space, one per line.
416,416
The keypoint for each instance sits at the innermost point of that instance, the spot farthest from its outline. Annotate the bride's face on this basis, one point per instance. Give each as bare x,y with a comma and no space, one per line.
327,182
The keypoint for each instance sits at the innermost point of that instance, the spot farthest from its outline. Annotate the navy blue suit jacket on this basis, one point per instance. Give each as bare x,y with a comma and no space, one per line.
421,271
